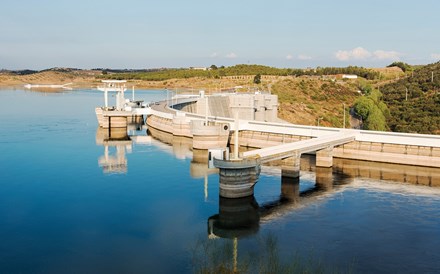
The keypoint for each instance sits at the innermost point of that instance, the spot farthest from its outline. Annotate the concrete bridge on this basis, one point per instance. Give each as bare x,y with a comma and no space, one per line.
239,175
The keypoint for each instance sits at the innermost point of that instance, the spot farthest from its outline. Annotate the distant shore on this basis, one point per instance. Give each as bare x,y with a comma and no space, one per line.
88,79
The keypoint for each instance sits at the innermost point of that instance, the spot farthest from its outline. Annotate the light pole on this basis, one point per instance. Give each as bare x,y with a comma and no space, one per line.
344,114
319,118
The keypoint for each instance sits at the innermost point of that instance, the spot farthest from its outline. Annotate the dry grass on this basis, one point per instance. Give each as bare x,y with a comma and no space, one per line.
304,100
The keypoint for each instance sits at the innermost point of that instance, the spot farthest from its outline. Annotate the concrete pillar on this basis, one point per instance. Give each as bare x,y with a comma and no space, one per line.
238,178
291,166
324,157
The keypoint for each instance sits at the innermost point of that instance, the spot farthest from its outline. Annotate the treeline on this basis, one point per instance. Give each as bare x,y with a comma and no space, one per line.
414,102
237,70
319,71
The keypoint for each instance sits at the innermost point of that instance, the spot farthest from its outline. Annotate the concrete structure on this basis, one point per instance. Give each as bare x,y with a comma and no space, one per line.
349,76
238,176
202,118
122,114
249,106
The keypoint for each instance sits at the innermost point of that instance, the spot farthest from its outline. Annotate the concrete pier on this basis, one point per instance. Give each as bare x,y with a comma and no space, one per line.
324,157
291,166
238,178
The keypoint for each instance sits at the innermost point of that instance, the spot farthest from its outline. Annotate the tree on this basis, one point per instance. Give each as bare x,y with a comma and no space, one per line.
213,67
403,66
257,79
373,110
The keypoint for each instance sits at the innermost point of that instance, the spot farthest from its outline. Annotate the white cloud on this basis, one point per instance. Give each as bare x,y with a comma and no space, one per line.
435,56
360,53
231,55
304,57
289,57
388,55
214,54
342,55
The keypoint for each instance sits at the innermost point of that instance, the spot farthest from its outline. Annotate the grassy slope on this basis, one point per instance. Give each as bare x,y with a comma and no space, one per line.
304,100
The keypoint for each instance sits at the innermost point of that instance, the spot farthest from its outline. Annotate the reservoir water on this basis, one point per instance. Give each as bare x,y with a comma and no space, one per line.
71,203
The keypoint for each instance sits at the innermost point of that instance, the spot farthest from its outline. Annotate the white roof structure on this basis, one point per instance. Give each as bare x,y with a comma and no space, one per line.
114,81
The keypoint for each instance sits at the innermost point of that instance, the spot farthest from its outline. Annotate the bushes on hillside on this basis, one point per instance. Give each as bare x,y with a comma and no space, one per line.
373,111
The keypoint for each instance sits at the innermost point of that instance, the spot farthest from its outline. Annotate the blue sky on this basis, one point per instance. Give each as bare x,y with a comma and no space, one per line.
171,33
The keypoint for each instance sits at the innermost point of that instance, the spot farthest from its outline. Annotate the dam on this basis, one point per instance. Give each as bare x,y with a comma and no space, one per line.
217,121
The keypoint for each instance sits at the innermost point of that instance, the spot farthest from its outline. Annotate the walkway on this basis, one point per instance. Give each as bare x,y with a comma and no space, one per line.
296,148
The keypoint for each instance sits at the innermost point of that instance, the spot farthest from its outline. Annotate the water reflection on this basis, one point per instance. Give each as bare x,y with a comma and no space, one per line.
181,148
116,143
416,175
241,217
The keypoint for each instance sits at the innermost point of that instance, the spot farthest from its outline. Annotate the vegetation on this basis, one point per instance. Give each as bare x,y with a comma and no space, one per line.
304,100
216,256
414,102
237,70
257,79
373,110
403,66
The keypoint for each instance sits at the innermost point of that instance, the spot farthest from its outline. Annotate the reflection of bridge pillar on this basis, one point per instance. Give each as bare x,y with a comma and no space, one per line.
290,188
324,177
324,157
291,166
237,218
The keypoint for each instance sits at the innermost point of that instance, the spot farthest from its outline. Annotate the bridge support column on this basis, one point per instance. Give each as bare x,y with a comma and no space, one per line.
324,157
291,166
237,178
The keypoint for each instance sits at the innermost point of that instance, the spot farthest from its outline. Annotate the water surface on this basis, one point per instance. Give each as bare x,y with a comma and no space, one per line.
72,203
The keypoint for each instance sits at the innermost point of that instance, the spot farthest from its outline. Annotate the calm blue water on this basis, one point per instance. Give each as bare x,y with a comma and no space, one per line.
62,212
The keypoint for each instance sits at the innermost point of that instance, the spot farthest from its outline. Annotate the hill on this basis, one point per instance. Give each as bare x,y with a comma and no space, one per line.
80,78
414,101
304,100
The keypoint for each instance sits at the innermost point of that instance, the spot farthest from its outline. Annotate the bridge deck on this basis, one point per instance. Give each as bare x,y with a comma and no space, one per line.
291,149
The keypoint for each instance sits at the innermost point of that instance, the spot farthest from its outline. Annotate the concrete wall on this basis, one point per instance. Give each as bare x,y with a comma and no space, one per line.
254,107
416,155
390,153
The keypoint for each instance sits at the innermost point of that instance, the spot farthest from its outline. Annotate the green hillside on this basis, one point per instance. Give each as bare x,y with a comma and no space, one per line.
414,102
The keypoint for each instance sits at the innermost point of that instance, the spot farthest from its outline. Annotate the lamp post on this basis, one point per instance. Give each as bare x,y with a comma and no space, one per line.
344,114
319,118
